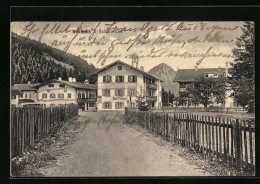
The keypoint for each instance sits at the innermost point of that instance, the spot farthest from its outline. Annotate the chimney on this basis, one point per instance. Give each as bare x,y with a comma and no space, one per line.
74,80
29,82
86,82
196,67
59,78
226,69
142,68
70,79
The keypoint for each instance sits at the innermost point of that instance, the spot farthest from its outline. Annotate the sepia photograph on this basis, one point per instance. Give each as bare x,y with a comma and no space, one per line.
132,98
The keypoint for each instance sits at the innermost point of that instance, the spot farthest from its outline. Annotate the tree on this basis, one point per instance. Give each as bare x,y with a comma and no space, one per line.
209,90
242,80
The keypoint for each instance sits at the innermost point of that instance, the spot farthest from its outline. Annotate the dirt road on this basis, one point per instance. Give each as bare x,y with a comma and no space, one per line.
112,148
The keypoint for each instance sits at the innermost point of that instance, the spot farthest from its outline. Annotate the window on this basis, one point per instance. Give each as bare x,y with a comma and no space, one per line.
44,95
61,95
107,78
215,74
132,78
119,78
30,95
62,85
52,95
25,95
131,92
206,75
132,104
69,95
52,105
51,85
221,75
83,95
182,85
92,94
79,95
119,92
144,79
107,105
119,105
21,95
119,67
91,105
106,92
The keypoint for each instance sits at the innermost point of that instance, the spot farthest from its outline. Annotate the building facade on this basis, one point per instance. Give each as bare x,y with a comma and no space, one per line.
23,94
186,77
120,85
60,92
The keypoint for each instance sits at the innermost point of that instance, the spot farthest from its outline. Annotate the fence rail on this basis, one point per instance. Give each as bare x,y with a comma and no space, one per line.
205,109
30,124
229,140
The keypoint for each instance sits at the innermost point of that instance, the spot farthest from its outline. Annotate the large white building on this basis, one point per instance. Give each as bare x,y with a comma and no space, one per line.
120,85
54,93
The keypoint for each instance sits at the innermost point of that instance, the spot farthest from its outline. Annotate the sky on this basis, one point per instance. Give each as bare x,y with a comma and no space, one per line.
180,45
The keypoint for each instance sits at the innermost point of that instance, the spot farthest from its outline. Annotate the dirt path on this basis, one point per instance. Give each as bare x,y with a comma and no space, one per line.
112,148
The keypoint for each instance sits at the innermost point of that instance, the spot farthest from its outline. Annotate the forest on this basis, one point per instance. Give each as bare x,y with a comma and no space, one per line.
29,63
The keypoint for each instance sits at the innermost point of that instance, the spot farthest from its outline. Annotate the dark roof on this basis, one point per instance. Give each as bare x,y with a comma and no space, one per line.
15,92
25,100
77,85
122,63
190,75
24,87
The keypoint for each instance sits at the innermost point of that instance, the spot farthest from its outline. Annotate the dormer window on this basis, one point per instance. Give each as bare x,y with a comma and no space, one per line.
51,85
62,85
206,75
120,67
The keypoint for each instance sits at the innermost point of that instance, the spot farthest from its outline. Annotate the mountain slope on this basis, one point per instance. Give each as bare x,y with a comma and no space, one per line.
166,74
37,62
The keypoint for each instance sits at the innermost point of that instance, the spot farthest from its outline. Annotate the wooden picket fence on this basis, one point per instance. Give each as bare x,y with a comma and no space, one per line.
230,141
31,124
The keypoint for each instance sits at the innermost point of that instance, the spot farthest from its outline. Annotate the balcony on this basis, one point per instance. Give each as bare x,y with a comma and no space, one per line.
151,98
85,100
152,86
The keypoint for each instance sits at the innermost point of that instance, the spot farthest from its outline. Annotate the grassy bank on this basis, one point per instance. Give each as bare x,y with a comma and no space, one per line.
44,152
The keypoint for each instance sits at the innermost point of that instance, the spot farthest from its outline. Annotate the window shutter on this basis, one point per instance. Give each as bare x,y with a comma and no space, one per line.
109,78
116,92
104,78
123,92
103,92
122,78
110,105
103,106
129,78
116,105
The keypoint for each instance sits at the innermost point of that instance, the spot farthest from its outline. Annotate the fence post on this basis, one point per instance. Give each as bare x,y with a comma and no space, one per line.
237,144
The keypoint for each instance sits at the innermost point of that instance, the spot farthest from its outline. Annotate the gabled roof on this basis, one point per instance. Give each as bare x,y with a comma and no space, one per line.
122,63
24,87
77,85
190,75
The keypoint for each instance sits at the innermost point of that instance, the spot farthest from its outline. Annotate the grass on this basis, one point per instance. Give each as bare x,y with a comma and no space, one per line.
28,163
